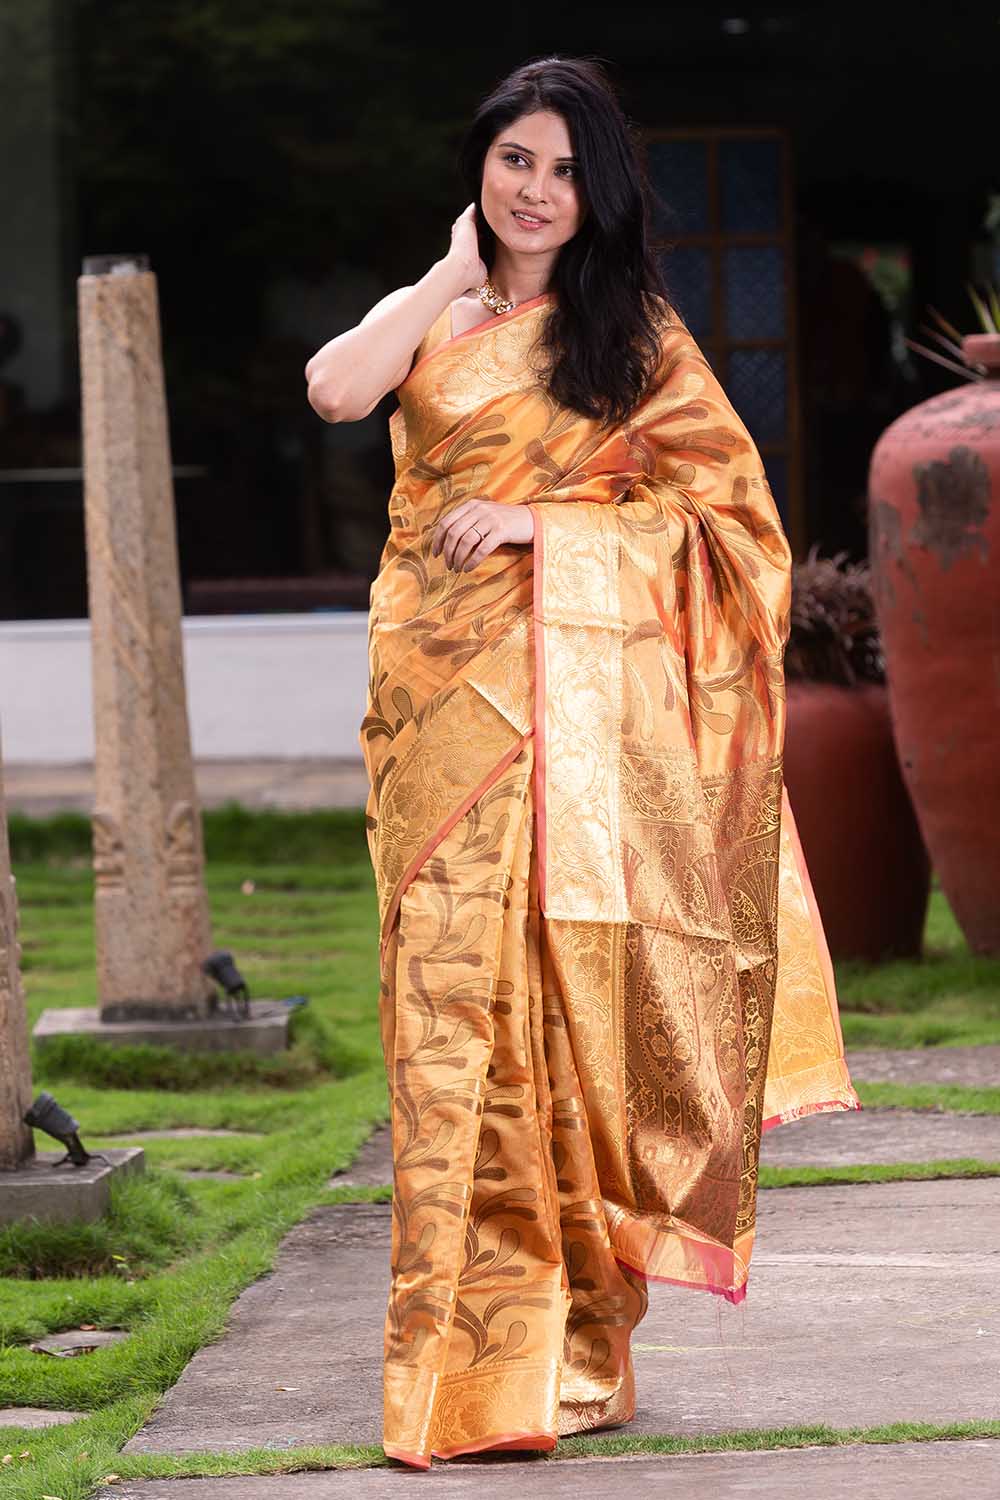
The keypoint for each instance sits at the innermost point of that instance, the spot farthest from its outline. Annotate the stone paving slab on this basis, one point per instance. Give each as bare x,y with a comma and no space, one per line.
887,1471
79,1338
867,1303
972,1067
38,1416
856,1136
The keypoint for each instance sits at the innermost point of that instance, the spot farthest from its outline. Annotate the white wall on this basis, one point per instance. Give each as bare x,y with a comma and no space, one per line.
258,686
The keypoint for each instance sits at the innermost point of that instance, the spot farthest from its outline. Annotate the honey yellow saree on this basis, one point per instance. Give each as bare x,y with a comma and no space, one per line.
603,973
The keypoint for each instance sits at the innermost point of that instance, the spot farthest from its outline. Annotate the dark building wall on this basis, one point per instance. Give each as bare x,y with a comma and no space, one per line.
285,167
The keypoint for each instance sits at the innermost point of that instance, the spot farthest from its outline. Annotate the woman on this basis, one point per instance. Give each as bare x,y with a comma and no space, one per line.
602,969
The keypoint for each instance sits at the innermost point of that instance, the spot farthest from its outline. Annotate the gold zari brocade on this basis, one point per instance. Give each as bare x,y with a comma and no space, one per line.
603,973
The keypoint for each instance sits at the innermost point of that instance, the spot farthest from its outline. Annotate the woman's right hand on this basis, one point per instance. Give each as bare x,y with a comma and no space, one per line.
352,372
464,251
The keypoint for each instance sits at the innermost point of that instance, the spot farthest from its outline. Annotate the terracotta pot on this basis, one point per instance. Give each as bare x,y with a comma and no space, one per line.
859,835
934,519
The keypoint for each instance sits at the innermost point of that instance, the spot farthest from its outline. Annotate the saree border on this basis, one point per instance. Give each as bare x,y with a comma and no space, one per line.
427,849
651,1253
541,749
492,321
835,1077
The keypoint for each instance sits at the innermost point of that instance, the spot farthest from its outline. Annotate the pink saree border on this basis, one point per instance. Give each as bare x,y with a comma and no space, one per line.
731,1294
420,858
401,1456
822,948
825,1106
541,763
540,1442
679,1256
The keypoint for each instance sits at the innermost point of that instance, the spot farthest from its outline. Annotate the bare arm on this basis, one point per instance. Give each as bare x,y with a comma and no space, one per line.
349,375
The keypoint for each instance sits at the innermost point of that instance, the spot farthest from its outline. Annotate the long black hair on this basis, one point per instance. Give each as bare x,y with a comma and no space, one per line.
602,337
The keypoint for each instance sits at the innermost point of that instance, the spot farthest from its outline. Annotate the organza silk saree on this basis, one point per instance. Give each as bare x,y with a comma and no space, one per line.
603,973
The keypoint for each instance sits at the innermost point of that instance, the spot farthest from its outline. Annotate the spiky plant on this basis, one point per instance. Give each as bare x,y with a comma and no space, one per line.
948,337
834,635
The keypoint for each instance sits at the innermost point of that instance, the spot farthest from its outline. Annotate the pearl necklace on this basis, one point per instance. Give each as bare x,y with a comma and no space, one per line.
492,298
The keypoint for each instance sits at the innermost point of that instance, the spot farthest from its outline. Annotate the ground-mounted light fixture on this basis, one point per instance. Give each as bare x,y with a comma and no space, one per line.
220,967
46,1114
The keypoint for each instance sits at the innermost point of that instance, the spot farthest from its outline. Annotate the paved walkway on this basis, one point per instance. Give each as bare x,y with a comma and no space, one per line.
867,1303
890,1471
834,1140
972,1067
881,1135
852,1138
39,790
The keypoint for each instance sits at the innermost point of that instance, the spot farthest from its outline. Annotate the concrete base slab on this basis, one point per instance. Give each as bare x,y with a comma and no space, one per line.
869,1303
971,1067
265,1032
64,1194
37,1417
890,1471
855,1137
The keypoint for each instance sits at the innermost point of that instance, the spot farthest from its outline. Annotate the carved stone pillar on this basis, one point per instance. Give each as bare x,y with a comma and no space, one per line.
17,1144
151,908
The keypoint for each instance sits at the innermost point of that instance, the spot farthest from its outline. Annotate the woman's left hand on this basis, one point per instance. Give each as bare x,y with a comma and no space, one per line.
478,527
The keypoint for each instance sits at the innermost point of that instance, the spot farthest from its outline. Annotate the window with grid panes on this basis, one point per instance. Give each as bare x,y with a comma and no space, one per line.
728,259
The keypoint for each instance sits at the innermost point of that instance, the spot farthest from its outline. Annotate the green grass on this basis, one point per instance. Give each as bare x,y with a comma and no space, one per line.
954,1098
950,997
897,1171
88,1454
329,838
173,1253
757,1439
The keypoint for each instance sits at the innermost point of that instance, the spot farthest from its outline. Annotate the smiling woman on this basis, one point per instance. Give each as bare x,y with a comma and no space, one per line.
603,973
542,182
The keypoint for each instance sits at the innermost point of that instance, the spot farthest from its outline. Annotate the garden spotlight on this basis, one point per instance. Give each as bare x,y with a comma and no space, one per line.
220,967
45,1114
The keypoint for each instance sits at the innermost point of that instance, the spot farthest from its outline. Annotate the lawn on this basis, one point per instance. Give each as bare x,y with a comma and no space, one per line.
175,1251
292,896
949,997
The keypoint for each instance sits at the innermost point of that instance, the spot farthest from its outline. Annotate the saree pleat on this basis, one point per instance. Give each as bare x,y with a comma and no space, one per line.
603,972
509,1316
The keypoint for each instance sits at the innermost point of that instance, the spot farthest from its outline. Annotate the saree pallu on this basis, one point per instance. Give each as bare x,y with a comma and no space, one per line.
603,973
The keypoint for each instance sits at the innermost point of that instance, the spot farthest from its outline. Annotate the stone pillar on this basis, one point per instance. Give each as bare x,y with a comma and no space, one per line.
17,1144
151,908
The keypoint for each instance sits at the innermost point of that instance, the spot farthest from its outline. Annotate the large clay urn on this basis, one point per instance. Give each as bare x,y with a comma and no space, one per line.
862,846
934,518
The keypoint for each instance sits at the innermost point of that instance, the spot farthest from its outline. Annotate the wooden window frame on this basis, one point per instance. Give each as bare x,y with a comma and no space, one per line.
718,346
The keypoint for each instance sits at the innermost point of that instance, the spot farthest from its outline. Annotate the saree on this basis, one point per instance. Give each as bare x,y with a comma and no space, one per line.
603,973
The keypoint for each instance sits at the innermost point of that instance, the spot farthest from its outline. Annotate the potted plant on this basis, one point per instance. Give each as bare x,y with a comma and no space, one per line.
934,524
862,845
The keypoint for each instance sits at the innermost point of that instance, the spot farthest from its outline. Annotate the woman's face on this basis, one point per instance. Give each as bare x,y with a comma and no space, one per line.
531,194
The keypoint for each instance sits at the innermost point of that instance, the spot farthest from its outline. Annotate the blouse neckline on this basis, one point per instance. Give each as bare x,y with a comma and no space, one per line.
492,320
